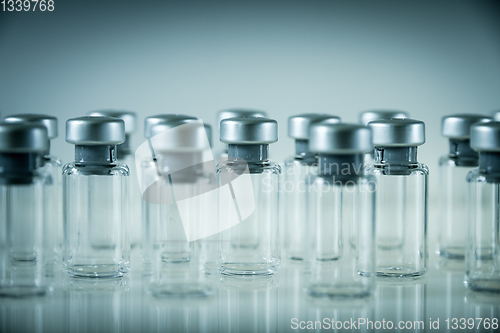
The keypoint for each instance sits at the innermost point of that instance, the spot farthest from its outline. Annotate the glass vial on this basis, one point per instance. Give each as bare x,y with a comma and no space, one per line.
150,174
340,202
22,225
482,255
231,113
371,115
401,204
51,166
251,246
125,154
181,250
95,192
453,170
297,171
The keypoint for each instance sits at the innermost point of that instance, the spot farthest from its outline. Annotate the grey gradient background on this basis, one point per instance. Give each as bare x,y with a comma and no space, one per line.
429,58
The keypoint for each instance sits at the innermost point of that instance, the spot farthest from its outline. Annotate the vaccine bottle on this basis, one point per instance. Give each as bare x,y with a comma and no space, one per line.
95,192
482,255
453,170
371,115
148,175
340,211
51,166
231,113
251,246
401,202
22,224
125,154
181,252
297,171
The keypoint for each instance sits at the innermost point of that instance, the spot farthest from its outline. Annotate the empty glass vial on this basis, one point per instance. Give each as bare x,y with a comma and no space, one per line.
251,246
125,154
297,171
22,225
181,252
52,197
366,116
150,174
231,113
95,192
340,204
482,255
401,202
453,170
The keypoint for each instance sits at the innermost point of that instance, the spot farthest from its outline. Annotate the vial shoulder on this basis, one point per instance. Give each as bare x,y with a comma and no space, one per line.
266,166
52,161
381,169
116,169
445,161
475,177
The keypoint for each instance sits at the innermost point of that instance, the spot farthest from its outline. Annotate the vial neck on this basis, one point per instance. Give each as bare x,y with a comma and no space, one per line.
396,155
348,167
95,155
248,153
302,151
124,149
18,168
489,166
462,153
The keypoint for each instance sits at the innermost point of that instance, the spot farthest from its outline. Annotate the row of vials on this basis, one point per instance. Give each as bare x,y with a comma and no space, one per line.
353,201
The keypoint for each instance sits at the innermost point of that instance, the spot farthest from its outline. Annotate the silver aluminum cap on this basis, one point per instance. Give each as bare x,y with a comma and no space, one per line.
23,138
232,113
485,136
248,130
49,122
339,138
129,117
457,126
181,136
372,115
151,122
496,115
397,132
298,126
95,131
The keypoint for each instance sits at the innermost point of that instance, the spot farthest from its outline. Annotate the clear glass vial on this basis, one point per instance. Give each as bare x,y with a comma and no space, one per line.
125,154
340,212
150,174
297,171
252,246
180,253
52,197
95,193
22,224
482,255
231,113
401,202
453,170
371,115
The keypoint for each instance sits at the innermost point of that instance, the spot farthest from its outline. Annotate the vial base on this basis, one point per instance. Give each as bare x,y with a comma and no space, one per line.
484,285
399,272
338,291
294,256
105,271
455,253
23,291
248,269
181,290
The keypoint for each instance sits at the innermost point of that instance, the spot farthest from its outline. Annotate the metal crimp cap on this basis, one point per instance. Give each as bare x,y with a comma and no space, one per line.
249,130
129,117
95,131
339,138
367,116
232,113
49,122
298,126
23,138
397,132
457,126
485,136
151,122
